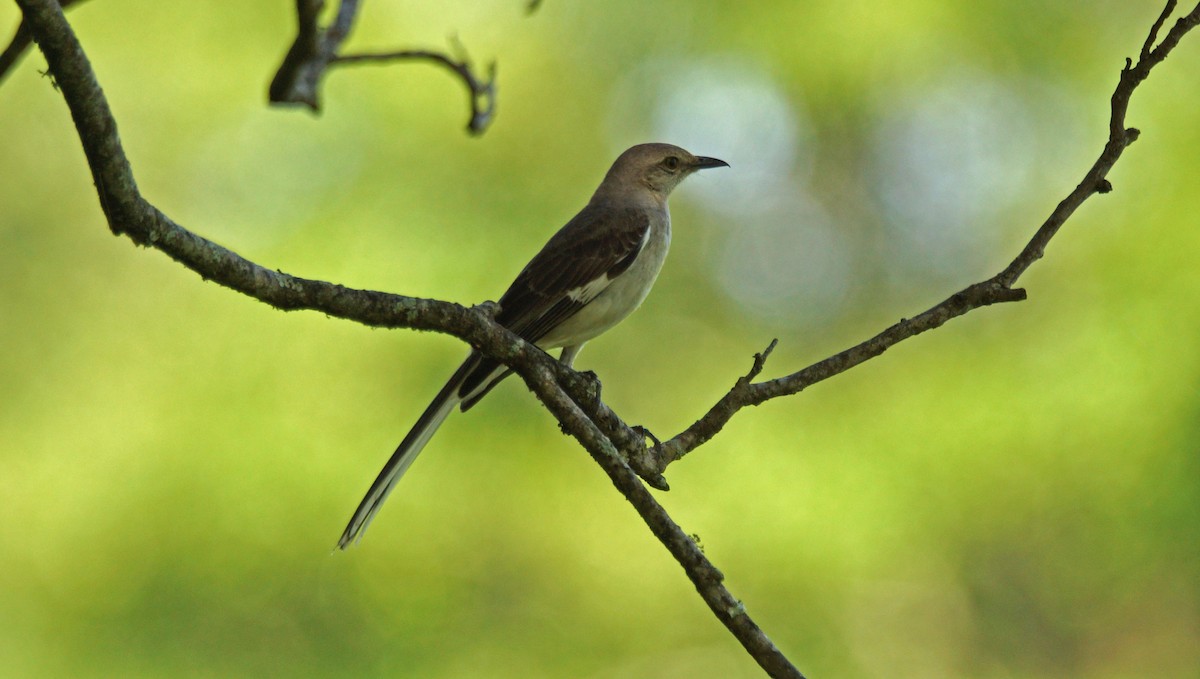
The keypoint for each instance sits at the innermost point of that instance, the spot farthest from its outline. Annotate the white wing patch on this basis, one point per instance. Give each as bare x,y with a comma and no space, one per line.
592,289
587,292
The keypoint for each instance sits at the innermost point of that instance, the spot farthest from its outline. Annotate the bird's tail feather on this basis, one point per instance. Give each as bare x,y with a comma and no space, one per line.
405,453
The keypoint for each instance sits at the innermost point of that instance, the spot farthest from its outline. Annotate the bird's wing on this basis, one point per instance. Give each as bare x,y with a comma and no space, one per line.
574,266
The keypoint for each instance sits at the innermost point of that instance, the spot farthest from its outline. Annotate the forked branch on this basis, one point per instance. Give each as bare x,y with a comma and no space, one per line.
129,213
565,393
316,48
999,288
20,42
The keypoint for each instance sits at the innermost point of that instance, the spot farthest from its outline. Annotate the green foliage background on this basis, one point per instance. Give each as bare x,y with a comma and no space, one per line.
1014,495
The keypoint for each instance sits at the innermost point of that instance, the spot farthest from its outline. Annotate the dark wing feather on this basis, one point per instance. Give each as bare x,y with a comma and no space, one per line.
550,318
599,241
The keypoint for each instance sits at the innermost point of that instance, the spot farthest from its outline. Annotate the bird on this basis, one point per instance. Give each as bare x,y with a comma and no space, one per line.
595,271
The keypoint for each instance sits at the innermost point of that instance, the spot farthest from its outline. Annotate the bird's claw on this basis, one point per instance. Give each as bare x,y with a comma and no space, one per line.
593,385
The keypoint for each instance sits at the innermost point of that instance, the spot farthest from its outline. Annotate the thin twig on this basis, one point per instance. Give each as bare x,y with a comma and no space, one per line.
997,289
16,48
132,215
315,49
601,431
1153,36
707,579
481,94
298,78
760,361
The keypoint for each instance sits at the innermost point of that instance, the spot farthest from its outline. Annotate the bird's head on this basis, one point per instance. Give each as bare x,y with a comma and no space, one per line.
656,167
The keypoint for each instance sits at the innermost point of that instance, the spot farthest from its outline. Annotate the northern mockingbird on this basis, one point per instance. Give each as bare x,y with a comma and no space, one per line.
589,276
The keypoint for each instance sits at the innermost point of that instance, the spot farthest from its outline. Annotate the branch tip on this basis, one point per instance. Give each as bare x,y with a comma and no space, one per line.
127,212
657,482
760,360
297,80
1148,46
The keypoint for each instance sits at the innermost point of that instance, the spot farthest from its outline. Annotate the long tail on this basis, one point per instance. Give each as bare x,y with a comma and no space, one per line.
405,453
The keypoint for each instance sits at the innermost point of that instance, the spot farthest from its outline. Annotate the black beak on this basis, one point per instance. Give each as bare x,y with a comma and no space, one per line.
704,162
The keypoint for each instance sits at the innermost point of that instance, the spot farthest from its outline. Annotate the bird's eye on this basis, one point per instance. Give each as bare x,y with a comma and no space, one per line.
671,163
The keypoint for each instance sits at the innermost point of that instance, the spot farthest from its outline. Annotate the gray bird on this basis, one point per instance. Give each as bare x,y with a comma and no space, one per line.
587,278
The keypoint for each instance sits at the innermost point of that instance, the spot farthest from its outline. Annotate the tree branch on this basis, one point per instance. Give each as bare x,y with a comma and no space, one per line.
571,397
20,42
298,79
481,94
130,214
997,289
707,579
1144,55
16,48
315,49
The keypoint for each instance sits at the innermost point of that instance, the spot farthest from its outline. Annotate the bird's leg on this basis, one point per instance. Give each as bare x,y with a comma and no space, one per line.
592,390
592,393
567,357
